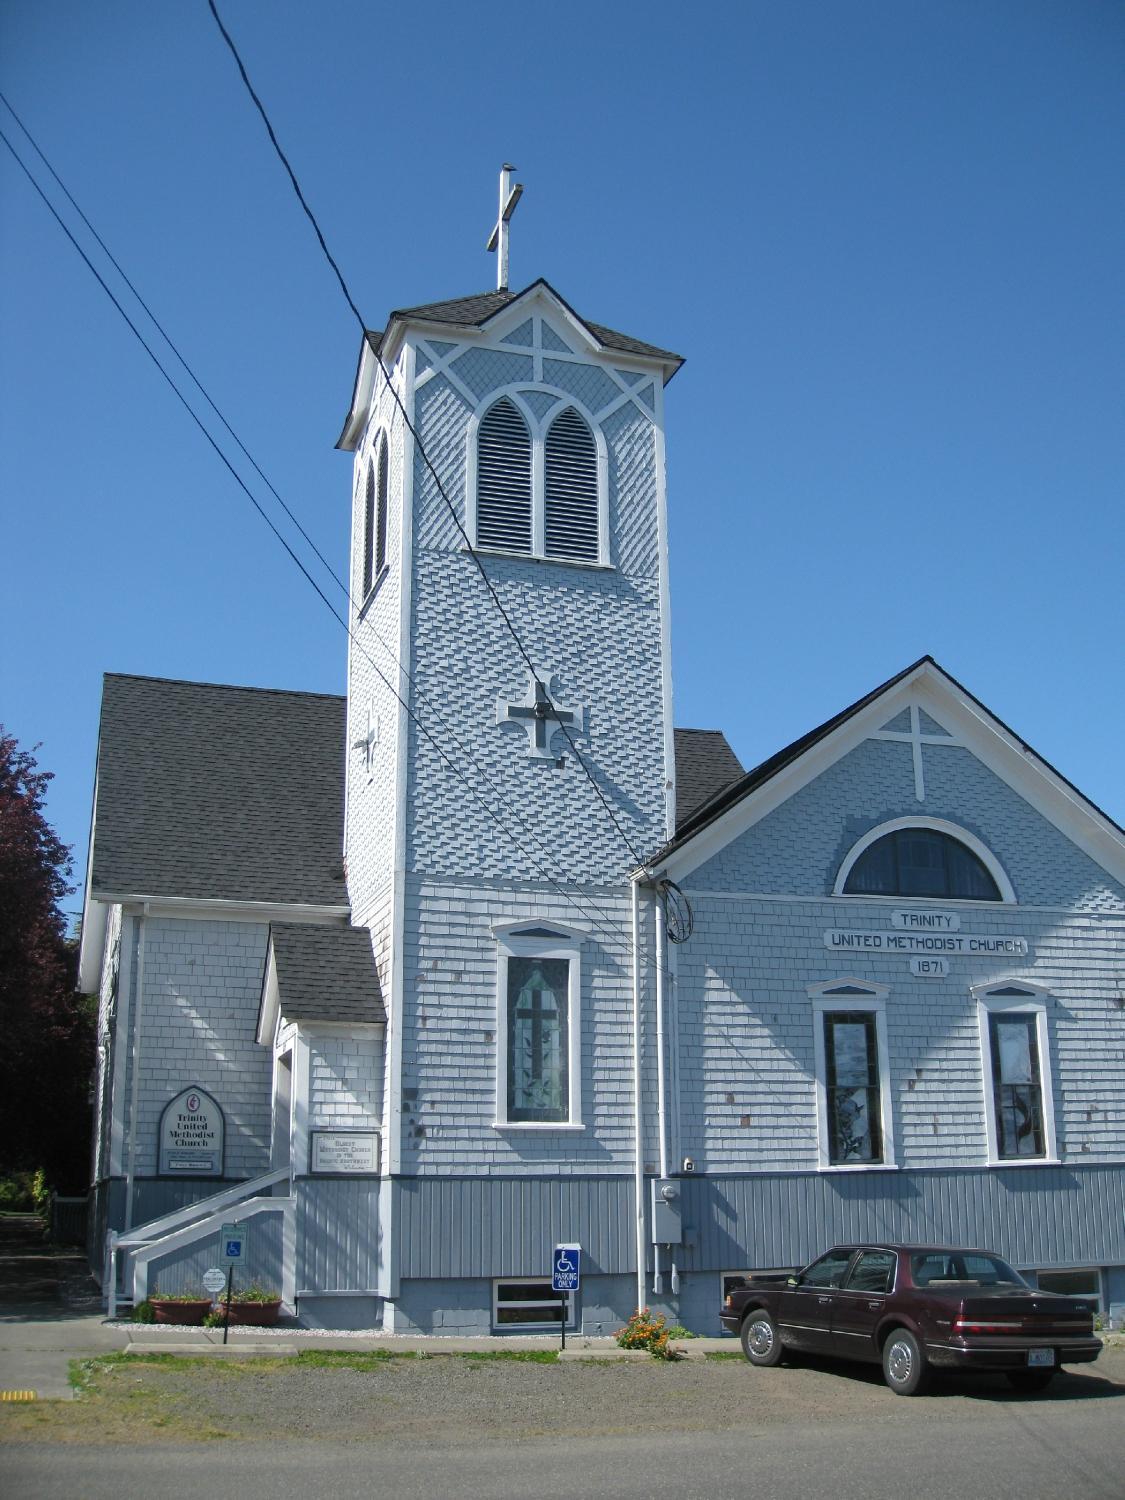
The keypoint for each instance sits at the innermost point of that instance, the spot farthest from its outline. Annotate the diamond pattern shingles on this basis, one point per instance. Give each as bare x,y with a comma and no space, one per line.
216,792
326,973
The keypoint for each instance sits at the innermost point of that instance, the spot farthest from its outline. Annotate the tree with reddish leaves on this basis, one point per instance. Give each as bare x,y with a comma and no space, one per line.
47,1052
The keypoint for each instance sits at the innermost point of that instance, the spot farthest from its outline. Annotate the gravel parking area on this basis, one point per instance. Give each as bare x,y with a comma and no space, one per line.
459,1399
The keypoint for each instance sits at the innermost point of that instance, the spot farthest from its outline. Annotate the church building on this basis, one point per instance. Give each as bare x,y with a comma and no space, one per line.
487,956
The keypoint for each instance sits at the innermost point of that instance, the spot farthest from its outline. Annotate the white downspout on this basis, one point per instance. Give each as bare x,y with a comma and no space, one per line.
134,1092
661,1078
638,1142
661,1006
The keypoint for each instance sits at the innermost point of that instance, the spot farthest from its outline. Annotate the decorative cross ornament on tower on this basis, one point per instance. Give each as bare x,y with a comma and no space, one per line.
498,239
538,715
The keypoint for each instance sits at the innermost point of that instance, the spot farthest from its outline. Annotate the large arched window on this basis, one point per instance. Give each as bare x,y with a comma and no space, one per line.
504,480
571,489
375,518
920,861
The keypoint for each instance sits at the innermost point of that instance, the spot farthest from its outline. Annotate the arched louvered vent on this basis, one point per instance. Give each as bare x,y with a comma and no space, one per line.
368,524
571,489
381,511
504,480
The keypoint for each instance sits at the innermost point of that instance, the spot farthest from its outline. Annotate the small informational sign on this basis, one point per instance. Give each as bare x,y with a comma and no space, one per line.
341,1153
191,1136
233,1240
566,1268
929,968
214,1280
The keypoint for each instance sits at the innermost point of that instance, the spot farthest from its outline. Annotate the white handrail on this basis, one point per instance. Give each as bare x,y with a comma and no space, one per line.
251,1188
212,1224
202,1208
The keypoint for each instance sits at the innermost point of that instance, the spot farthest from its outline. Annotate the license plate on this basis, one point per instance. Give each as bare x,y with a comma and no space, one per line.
1040,1356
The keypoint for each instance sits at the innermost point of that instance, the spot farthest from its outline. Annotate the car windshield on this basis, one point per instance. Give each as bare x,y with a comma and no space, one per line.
938,1268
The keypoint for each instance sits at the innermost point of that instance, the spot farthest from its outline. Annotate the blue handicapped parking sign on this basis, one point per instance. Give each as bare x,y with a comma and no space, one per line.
566,1268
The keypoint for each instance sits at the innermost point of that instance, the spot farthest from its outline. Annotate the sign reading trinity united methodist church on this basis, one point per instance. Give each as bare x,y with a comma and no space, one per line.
191,1136
932,933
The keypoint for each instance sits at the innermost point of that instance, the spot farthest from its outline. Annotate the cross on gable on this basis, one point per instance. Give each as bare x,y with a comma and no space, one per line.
916,738
538,714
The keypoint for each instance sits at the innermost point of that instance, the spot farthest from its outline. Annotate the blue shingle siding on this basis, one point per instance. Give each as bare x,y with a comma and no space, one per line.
798,848
202,986
449,1045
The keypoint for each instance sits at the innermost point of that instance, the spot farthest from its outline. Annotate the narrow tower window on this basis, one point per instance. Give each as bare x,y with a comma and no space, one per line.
571,490
504,480
368,526
381,511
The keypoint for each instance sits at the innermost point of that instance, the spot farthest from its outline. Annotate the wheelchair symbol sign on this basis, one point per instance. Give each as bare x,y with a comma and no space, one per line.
566,1268
232,1245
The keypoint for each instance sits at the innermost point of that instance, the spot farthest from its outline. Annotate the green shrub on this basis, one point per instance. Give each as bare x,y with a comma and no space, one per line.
253,1293
143,1313
17,1193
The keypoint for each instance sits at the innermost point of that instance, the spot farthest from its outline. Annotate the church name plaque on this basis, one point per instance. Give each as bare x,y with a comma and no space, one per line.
191,1136
926,921
840,940
336,1153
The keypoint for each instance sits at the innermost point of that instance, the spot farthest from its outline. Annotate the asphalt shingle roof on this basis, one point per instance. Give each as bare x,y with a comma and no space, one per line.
474,311
326,973
217,792
705,764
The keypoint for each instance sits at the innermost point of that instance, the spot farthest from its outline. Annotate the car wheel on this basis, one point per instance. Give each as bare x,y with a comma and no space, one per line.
761,1342
1030,1380
904,1364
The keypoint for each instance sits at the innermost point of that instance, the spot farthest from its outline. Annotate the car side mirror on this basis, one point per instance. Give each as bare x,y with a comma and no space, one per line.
792,1281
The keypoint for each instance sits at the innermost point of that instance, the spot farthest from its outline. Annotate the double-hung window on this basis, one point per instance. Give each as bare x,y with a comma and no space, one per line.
854,1122
538,1031
1016,1071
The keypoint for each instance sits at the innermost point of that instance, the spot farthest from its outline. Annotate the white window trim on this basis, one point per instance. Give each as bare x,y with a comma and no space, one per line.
938,825
381,437
1032,999
538,430
548,1324
824,1002
568,945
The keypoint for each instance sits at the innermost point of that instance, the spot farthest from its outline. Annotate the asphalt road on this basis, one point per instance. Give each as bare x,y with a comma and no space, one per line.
1016,1453
438,1428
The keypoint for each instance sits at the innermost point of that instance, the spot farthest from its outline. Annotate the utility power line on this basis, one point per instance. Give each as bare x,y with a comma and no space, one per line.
589,910
637,858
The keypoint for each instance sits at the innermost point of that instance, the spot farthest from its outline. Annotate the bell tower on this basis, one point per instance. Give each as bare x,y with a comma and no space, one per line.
509,696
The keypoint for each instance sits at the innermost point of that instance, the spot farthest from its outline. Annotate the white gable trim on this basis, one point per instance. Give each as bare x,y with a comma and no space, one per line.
984,736
938,825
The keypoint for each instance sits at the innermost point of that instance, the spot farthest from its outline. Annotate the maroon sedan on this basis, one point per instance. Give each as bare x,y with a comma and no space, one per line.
910,1307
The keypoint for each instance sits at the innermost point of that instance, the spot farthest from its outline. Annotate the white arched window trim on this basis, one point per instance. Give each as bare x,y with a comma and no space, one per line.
378,443
540,937
867,997
937,825
538,428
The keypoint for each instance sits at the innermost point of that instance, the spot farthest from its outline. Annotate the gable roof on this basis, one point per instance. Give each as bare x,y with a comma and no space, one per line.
325,974
476,311
212,792
1059,799
705,765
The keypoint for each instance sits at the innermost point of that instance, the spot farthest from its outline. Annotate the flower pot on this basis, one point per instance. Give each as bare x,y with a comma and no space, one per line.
165,1310
253,1314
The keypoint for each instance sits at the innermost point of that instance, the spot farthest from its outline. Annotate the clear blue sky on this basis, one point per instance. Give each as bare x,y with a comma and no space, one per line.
888,237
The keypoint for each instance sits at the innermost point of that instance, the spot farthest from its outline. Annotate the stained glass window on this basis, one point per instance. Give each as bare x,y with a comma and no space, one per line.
1016,1086
538,1050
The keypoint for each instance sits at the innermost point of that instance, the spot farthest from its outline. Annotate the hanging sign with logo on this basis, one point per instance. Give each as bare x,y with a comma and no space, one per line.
191,1136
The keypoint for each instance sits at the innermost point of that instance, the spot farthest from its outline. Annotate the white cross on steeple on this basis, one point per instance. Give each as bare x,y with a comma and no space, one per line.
498,239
